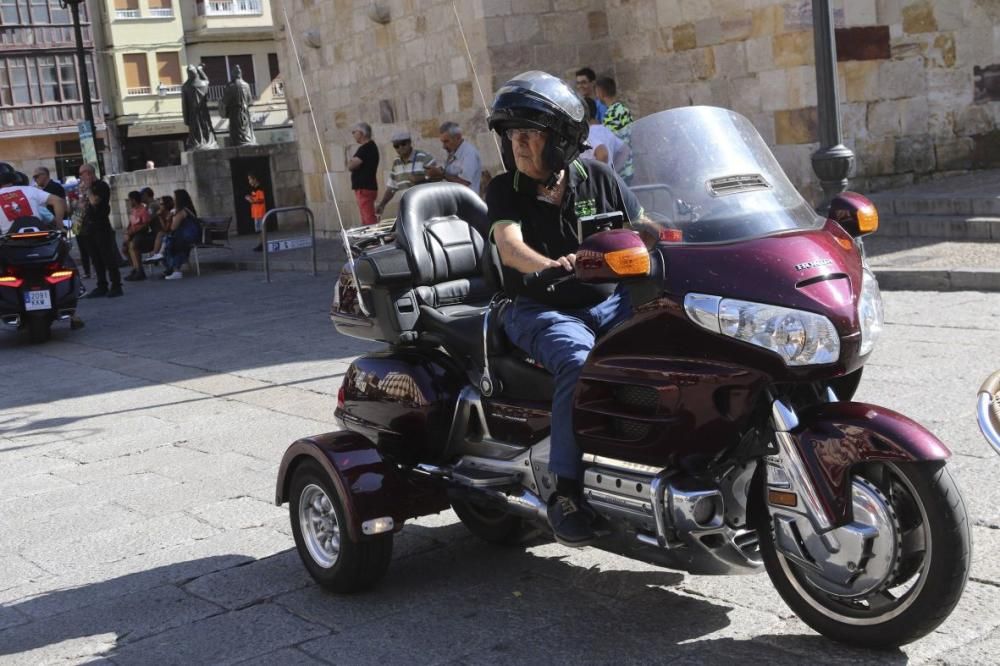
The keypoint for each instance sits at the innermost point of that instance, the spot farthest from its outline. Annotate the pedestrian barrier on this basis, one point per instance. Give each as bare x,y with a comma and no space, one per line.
287,243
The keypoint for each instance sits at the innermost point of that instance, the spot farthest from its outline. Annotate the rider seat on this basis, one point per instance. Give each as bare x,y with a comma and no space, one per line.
444,230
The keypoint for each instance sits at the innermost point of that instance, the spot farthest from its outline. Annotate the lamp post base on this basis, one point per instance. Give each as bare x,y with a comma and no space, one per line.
834,166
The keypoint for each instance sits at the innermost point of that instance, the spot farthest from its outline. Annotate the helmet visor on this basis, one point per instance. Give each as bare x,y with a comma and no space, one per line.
549,88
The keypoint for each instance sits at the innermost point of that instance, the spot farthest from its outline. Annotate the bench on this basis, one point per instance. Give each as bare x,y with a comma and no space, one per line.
214,236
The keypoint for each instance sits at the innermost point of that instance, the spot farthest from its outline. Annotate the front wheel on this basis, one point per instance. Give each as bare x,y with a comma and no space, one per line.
902,562
331,556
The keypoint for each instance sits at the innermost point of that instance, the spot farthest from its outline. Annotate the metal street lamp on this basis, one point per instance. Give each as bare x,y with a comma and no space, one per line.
833,162
88,104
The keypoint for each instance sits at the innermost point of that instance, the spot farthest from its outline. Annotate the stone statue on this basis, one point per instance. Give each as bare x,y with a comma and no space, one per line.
194,101
235,105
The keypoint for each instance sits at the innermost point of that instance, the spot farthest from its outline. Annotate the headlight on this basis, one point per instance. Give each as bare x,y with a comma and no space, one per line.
870,313
798,337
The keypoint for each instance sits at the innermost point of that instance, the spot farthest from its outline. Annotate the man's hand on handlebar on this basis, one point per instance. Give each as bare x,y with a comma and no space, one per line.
568,262
559,270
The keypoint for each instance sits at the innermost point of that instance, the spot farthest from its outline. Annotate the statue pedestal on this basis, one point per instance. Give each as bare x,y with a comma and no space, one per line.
212,174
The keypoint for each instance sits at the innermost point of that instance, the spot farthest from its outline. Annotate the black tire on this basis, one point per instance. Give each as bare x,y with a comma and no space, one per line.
39,329
492,525
359,565
940,571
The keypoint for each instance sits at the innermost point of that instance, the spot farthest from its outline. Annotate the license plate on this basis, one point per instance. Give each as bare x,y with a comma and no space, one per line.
37,300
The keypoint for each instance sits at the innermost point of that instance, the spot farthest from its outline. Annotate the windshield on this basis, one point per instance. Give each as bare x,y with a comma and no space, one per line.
706,173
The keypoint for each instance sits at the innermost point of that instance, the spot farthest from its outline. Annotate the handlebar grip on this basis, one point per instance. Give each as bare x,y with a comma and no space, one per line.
545,276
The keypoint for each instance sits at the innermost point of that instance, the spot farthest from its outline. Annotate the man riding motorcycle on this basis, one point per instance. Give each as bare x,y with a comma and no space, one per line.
17,201
21,200
534,211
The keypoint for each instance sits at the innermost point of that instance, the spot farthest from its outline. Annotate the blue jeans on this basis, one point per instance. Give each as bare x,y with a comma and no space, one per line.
561,341
175,253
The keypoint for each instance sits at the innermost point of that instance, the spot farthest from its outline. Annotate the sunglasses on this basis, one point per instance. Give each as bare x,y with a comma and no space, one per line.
399,144
514,133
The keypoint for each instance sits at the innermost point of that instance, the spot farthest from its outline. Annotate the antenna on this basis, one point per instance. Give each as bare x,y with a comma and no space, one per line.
326,165
475,76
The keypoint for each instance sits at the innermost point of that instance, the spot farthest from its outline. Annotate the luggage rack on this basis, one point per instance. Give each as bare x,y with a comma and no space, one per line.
374,235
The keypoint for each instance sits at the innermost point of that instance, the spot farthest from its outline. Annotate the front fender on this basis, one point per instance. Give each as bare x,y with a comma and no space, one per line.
833,437
368,485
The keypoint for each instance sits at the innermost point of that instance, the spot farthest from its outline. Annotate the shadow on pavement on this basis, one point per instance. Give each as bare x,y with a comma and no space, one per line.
467,601
166,332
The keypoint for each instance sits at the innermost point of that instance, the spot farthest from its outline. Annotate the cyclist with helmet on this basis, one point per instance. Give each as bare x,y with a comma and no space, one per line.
534,208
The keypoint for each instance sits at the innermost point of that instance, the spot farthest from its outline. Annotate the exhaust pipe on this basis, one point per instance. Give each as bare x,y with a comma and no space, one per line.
11,320
521,503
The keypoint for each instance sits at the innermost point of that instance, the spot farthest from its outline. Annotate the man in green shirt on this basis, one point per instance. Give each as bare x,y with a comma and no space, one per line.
618,119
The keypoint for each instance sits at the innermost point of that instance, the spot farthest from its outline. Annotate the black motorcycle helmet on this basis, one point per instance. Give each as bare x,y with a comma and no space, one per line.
8,174
541,101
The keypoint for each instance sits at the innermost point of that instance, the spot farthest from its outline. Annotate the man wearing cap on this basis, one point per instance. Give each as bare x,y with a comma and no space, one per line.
408,169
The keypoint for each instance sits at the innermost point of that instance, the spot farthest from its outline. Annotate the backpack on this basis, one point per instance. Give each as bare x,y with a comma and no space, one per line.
190,230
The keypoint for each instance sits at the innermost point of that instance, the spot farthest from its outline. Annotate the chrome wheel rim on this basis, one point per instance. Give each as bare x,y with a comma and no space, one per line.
898,594
319,525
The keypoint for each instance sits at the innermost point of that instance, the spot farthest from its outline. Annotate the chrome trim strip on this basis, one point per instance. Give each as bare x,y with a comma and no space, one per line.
657,491
623,465
983,416
784,419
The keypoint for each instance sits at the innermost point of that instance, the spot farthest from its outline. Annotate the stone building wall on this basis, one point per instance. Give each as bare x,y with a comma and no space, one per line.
919,79
908,77
411,73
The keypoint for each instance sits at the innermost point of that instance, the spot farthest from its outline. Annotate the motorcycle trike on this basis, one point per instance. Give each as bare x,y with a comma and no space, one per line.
716,423
38,283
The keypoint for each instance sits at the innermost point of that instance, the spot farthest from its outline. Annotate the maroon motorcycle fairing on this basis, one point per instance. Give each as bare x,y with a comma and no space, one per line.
368,486
834,437
403,401
706,385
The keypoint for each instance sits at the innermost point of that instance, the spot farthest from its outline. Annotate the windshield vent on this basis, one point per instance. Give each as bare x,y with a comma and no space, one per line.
733,184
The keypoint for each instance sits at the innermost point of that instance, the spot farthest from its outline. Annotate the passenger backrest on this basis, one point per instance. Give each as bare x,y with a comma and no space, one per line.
443,228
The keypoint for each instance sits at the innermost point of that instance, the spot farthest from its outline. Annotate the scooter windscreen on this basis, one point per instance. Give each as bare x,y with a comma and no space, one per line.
705,175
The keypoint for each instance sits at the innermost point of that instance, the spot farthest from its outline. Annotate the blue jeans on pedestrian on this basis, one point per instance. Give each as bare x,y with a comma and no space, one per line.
561,341
175,253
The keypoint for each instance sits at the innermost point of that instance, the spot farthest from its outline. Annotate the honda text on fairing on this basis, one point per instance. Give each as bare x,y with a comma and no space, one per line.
38,285
716,422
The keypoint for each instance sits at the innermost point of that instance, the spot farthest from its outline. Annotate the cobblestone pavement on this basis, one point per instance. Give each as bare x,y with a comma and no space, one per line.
138,460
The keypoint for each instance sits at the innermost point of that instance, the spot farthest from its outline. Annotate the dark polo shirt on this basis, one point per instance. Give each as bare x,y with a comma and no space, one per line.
551,230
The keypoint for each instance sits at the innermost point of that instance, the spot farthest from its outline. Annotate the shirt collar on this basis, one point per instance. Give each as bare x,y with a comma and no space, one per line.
576,172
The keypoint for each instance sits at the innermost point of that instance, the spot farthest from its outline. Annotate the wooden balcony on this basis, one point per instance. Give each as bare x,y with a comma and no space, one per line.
30,119
30,37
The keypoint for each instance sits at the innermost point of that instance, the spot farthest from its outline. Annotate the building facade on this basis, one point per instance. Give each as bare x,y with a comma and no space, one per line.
919,79
150,44
41,98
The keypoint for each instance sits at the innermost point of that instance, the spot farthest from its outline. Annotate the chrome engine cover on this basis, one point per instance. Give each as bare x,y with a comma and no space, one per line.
675,512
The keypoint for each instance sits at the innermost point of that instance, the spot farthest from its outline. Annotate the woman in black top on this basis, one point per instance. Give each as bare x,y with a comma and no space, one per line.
100,235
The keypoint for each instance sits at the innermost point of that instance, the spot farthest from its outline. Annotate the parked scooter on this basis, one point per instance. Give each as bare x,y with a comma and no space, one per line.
37,284
716,423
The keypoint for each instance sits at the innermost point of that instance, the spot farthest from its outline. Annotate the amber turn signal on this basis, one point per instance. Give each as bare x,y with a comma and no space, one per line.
630,262
867,219
782,498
